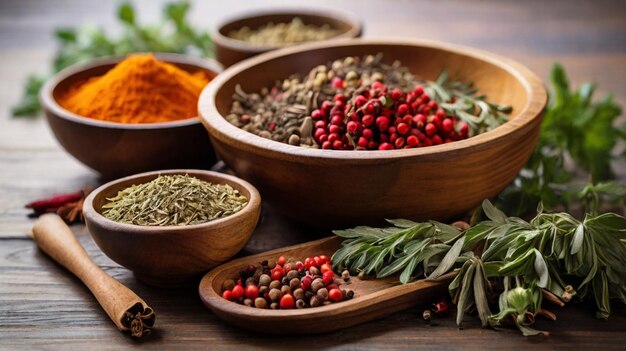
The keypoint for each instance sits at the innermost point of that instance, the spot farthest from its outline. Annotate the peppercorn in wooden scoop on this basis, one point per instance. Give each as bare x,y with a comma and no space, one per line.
127,310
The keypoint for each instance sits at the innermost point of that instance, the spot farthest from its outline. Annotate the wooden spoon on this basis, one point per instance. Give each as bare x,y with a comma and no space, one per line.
372,298
127,310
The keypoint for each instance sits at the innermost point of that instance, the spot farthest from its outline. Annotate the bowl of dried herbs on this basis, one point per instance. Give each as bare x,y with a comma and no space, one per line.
168,226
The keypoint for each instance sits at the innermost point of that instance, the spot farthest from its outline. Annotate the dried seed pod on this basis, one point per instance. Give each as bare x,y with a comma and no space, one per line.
299,294
228,284
322,294
275,295
265,280
345,275
260,302
317,284
314,302
275,284
292,274
294,283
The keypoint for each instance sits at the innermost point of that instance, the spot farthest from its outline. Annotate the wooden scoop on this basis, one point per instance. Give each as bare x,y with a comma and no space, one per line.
127,310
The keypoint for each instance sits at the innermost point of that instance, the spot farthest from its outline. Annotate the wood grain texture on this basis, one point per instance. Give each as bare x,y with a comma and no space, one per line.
42,306
373,298
171,255
346,188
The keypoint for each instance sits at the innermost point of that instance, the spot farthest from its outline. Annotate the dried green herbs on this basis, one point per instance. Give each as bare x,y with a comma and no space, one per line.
553,257
174,200
276,34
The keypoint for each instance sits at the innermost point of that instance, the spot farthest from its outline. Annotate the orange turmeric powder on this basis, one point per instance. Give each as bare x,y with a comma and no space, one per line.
139,89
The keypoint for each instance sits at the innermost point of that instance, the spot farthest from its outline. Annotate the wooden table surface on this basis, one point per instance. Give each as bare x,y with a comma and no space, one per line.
44,307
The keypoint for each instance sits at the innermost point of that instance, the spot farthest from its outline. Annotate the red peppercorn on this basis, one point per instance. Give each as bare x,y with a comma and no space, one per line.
277,274
237,292
323,138
252,292
328,277
372,145
362,142
402,110
393,137
287,302
299,266
326,267
385,146
368,134
332,137
391,130
382,122
464,129
337,120
337,83
306,282
228,295
384,138
334,129
396,94
419,118
436,140
317,114
399,143
287,267
324,258
427,142
359,101
430,129
403,128
448,125
354,117
318,133
352,127
367,120
412,140
320,124
335,295
418,91
337,145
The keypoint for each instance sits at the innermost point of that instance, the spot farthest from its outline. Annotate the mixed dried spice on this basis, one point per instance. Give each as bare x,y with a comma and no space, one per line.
173,200
364,103
276,34
288,284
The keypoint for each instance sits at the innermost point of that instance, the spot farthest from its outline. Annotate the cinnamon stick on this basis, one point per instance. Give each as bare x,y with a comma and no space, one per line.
127,310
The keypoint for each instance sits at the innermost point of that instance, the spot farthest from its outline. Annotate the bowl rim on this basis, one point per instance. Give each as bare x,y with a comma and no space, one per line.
222,130
352,21
48,101
253,205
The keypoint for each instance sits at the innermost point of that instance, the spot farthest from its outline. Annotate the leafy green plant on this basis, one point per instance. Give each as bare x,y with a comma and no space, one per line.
174,34
545,257
574,127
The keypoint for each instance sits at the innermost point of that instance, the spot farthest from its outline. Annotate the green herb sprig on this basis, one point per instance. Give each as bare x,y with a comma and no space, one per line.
461,99
174,34
577,128
553,255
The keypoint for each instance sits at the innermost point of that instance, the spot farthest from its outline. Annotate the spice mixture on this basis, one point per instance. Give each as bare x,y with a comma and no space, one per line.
139,89
364,104
275,34
174,200
287,284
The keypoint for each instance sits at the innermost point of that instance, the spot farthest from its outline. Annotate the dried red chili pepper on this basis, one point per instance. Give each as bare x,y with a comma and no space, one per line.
54,202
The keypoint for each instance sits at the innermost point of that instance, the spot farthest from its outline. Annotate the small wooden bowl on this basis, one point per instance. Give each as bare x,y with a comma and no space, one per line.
230,51
345,188
118,149
171,255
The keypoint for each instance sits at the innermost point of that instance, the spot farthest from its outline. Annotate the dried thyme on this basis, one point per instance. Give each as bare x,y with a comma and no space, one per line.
173,200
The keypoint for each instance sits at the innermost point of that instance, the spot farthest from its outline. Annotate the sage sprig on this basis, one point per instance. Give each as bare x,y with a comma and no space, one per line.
553,255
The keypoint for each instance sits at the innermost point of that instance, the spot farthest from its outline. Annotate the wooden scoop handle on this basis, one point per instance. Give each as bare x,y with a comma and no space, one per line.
127,310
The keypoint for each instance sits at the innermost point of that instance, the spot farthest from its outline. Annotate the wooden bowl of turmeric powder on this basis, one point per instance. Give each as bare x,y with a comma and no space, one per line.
124,115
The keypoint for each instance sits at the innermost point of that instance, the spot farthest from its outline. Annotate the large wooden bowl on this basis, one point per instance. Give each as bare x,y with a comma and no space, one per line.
117,149
230,51
345,188
171,255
